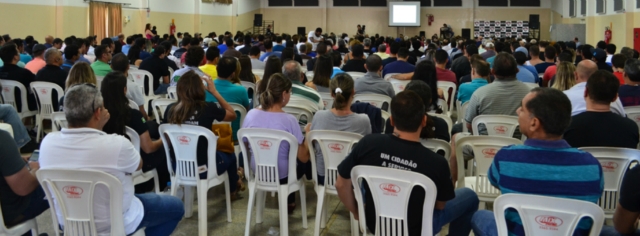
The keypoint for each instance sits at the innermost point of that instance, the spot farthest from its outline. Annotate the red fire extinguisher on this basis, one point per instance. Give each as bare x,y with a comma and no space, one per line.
172,27
607,35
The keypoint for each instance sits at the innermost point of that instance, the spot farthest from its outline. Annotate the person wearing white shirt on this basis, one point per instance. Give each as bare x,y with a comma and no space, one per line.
611,49
315,37
84,146
576,94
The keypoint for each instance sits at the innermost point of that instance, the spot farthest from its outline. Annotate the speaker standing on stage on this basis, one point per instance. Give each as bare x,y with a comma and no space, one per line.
361,29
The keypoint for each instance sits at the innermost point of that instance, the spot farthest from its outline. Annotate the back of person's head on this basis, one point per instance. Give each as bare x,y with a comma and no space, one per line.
321,48
226,67
601,45
632,69
324,69
140,42
80,103
268,44
587,53
627,51
552,108
373,63
213,53
357,51
394,48
550,53
116,102
521,58
441,56
51,54
481,67
618,61
303,48
342,89
471,49
611,48
287,54
106,41
194,56
602,87
70,51
194,42
130,39
186,41
382,48
158,51
191,96
120,62
407,111
8,52
245,69
134,54
565,76
292,70
254,51
274,89
167,46
565,56
272,65
505,66
426,71
80,73
403,52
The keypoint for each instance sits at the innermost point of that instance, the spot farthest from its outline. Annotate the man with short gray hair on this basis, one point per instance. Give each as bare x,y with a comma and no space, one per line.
52,72
293,71
84,146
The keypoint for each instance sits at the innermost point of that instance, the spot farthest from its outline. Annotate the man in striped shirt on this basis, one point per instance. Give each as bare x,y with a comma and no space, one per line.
544,165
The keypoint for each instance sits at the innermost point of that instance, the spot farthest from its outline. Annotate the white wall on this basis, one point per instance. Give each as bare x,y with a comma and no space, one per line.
465,3
245,6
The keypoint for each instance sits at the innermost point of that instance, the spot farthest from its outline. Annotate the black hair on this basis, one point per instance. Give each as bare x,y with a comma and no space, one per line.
426,71
550,53
158,51
212,53
505,65
601,45
394,48
357,50
120,62
373,63
115,100
226,67
185,41
521,57
471,49
336,58
70,51
100,50
167,45
134,54
229,42
632,69
194,42
287,54
268,44
254,51
407,111
602,87
565,56
441,56
194,56
57,41
618,61
106,41
8,52
552,108
403,52
611,48
586,52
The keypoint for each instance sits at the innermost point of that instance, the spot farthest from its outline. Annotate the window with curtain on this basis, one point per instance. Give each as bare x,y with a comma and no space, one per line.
105,19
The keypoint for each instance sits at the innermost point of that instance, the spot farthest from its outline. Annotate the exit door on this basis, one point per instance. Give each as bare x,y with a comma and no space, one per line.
636,39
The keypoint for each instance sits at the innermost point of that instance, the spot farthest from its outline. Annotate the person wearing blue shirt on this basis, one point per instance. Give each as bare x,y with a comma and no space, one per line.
268,46
232,93
278,46
480,72
125,48
336,58
400,66
223,48
524,74
545,165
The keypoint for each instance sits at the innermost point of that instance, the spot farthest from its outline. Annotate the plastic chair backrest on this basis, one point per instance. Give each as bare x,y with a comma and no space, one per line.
301,112
159,106
18,229
449,89
171,71
355,75
633,113
532,85
436,145
184,140
387,77
462,110
74,191
446,119
391,189
258,72
140,76
133,105
300,101
309,75
327,100
542,215
484,149
385,116
240,111
59,120
133,136
377,100
497,125
8,93
615,162
99,80
172,92
399,85
335,146
43,91
267,142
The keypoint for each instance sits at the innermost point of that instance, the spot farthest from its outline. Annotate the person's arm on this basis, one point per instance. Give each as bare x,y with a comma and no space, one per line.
440,205
165,79
453,161
24,182
230,113
345,193
147,145
405,76
625,221
144,112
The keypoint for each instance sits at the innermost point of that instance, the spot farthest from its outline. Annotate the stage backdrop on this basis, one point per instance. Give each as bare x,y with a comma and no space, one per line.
501,29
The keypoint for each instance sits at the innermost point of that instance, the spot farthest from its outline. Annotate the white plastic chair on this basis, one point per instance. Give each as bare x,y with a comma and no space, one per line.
542,215
159,107
265,177
43,91
436,145
301,112
445,118
19,229
633,113
377,100
8,93
399,85
462,110
327,99
450,97
387,77
99,80
172,93
133,105
391,189
251,89
300,101
385,116
139,78
484,150
355,75
139,176
309,75
532,85
58,121
74,191
171,71
615,162
7,127
184,139
258,72
497,125
335,146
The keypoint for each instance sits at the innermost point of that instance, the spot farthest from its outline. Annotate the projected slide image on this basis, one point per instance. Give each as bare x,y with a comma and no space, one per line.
404,14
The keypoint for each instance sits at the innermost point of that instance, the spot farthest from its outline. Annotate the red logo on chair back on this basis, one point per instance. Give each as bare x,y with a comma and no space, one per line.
73,191
390,189
139,77
549,222
609,166
489,152
264,144
325,103
401,87
6,89
335,147
184,140
43,91
635,118
500,129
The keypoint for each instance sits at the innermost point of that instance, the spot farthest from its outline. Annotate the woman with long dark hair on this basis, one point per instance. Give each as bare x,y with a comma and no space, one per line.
246,73
147,31
322,74
134,55
426,71
272,66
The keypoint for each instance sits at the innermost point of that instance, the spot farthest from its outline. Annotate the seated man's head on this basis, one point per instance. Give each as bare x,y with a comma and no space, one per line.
602,90
72,53
194,56
213,54
373,63
357,51
408,112
84,107
120,63
545,114
52,56
632,71
227,67
617,61
505,66
292,71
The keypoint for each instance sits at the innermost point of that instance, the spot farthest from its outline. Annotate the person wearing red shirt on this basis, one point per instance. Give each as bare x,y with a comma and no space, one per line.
442,74
617,64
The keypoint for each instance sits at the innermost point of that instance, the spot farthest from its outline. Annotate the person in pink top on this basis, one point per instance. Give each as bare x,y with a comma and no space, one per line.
148,32
38,59
442,74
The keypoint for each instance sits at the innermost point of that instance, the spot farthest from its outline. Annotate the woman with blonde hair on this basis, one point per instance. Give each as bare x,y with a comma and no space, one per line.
80,73
565,76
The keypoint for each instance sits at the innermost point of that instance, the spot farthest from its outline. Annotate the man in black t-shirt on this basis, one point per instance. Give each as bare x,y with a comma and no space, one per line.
627,212
598,126
158,68
397,150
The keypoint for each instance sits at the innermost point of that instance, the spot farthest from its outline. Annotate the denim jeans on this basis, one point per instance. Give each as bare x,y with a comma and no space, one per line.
162,213
484,223
37,204
458,212
162,89
9,115
611,231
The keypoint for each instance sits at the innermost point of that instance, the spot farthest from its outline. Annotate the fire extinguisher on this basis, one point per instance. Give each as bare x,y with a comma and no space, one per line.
430,19
172,27
607,35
